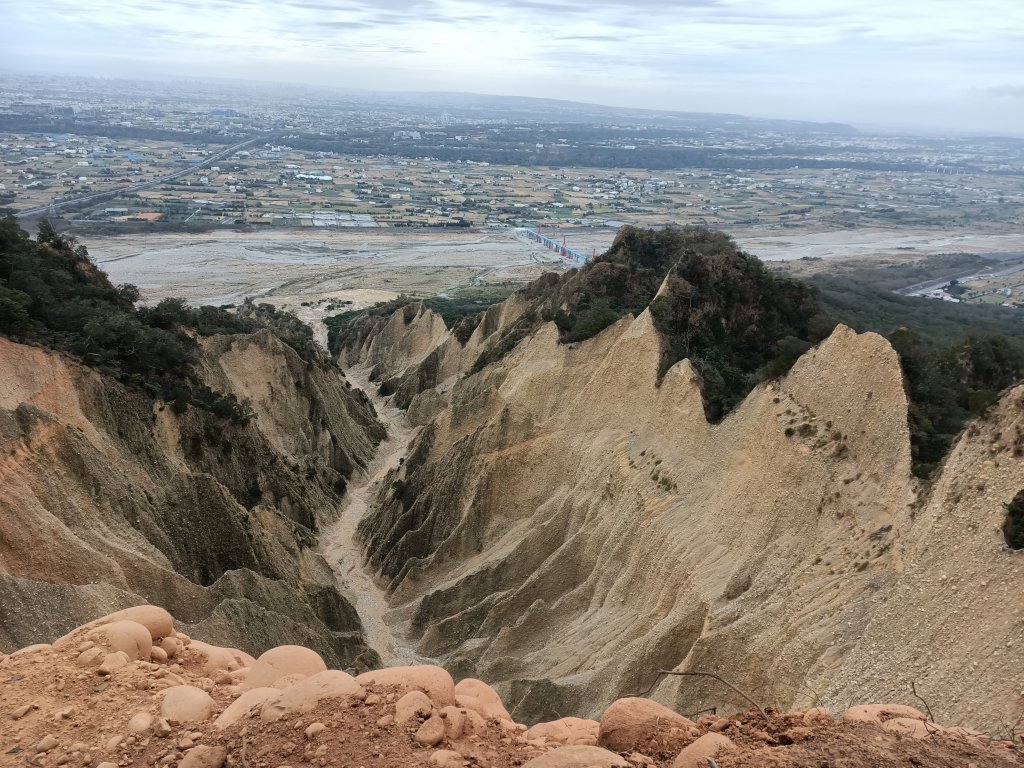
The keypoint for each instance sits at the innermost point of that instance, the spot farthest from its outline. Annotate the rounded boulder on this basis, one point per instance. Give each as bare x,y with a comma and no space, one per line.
569,731
696,754
577,757
217,659
204,757
128,636
431,733
304,696
446,758
288,681
909,726
433,681
155,619
460,723
481,698
412,706
636,724
280,662
243,705
140,722
186,704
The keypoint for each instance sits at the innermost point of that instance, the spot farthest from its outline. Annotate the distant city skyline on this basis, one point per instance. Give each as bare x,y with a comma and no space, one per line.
931,67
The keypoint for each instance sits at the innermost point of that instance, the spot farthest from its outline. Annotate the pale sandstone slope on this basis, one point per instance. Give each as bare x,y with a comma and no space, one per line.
440,368
954,621
566,527
402,340
306,412
411,352
109,502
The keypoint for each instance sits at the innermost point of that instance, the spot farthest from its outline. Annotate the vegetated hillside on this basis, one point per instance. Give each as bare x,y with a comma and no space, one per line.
157,697
201,486
956,357
739,323
736,322
52,294
865,298
568,521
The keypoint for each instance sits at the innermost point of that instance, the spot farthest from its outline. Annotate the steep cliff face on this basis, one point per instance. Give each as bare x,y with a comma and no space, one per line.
441,365
109,502
564,526
397,341
410,352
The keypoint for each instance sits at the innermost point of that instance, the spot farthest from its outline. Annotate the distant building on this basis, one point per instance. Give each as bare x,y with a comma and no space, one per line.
24,108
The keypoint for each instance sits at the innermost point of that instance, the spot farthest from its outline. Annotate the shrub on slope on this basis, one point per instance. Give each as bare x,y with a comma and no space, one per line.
53,295
736,321
739,324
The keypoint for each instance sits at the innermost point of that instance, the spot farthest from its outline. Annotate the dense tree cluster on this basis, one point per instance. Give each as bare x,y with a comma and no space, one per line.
720,308
249,317
739,324
53,295
948,384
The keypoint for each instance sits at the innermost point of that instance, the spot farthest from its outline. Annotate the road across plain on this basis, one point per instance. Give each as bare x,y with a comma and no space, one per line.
96,196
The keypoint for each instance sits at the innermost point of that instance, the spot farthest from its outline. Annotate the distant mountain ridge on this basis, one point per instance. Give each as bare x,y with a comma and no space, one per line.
574,111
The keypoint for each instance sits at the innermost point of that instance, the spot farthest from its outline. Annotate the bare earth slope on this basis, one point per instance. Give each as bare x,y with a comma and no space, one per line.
108,502
564,527
129,689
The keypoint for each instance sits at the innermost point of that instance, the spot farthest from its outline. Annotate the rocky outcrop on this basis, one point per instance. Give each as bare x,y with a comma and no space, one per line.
109,501
398,341
131,689
565,526
417,360
308,414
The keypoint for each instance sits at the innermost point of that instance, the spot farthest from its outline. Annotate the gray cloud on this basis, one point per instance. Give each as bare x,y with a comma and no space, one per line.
588,38
1006,91
348,24
854,60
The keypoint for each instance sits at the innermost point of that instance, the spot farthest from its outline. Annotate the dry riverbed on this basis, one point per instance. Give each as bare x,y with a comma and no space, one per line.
314,274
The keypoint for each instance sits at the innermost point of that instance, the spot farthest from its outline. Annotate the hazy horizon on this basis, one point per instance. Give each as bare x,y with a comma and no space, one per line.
932,67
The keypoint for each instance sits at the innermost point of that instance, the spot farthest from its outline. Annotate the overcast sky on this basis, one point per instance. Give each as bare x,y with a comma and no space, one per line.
941,65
